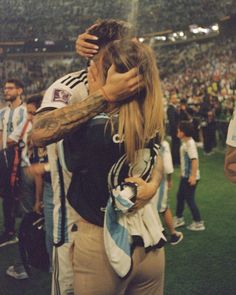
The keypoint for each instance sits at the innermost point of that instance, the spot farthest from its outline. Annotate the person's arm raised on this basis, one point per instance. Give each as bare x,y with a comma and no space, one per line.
84,45
51,126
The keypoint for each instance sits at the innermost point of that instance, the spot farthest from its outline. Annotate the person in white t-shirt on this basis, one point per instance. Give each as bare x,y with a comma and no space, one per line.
162,198
230,156
190,176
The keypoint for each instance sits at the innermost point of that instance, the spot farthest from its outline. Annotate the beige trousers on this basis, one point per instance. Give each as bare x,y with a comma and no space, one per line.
93,274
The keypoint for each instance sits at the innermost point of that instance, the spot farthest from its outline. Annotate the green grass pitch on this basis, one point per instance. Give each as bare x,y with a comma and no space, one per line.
204,263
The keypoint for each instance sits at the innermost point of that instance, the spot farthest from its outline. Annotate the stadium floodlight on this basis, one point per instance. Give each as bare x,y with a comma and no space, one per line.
194,29
204,30
215,27
49,42
162,38
172,38
141,39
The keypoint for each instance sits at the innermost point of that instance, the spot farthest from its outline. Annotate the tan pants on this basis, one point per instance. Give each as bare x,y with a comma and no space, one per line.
93,274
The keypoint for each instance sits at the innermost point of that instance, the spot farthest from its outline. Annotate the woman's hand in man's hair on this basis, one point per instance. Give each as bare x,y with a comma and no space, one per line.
122,85
84,45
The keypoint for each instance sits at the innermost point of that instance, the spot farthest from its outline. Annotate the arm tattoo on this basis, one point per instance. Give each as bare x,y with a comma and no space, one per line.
52,126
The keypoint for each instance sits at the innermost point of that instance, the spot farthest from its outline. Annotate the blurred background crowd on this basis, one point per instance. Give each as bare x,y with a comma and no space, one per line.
199,69
62,19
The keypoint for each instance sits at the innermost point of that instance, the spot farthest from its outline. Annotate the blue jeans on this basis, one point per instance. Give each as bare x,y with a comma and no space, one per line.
186,193
48,216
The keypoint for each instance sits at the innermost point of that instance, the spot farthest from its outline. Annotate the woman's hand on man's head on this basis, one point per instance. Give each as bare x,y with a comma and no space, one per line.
119,86
84,47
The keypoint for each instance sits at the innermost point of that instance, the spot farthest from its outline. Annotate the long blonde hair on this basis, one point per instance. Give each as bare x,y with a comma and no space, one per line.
140,116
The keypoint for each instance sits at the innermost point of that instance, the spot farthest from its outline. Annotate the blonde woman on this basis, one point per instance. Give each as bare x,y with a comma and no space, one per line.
115,150
116,146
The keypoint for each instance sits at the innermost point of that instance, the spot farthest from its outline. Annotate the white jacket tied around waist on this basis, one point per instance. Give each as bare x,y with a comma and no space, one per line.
120,226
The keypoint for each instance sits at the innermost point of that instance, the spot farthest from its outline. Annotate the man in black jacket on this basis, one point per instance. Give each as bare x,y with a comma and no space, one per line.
173,118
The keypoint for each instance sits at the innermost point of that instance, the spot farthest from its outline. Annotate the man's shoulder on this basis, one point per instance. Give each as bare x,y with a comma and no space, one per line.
64,88
4,109
70,80
191,142
22,107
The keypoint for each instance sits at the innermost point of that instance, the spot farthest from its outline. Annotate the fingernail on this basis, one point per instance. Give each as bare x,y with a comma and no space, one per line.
95,38
96,47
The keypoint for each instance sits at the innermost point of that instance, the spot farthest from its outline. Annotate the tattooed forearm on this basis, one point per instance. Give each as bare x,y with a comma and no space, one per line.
52,126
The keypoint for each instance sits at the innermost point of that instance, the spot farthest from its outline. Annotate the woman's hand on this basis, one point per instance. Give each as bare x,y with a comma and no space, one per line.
145,191
122,85
84,47
95,81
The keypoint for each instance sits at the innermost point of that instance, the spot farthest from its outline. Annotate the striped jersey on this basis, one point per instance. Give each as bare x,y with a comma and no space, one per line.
188,152
15,135
231,136
10,119
66,90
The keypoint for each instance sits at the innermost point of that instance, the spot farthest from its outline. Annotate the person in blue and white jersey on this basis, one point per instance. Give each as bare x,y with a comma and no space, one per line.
10,117
162,195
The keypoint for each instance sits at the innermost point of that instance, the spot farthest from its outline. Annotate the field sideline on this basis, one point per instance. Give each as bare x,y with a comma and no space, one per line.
204,263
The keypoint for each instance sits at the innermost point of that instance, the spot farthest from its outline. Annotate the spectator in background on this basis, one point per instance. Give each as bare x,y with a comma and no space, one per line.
190,175
30,193
173,118
184,111
10,117
230,156
208,125
162,195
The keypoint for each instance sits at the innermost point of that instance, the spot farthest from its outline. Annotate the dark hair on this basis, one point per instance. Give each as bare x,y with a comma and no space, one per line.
18,83
35,100
186,127
110,30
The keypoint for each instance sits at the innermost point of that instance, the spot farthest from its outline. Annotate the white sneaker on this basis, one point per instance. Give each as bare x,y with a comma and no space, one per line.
178,221
176,238
196,226
17,272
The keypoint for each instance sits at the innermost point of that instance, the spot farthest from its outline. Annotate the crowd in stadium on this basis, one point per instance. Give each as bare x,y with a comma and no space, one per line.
47,98
58,20
192,71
